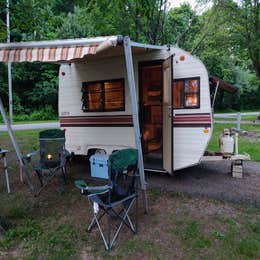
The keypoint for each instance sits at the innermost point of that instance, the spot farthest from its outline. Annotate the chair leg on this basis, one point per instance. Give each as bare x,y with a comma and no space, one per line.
63,171
108,229
136,214
123,221
40,177
93,222
108,247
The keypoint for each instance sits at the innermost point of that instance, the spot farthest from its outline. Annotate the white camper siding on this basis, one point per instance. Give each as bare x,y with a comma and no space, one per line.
189,146
192,67
75,74
80,139
190,143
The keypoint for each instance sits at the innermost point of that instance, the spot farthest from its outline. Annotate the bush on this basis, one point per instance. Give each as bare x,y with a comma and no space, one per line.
46,113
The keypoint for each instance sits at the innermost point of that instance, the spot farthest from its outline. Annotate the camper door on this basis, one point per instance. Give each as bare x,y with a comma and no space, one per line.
167,116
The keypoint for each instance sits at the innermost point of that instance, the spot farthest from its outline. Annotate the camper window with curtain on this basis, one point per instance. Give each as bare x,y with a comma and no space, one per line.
106,95
186,93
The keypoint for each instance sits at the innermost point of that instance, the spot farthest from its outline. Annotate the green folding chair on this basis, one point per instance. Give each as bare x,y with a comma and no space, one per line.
115,199
52,156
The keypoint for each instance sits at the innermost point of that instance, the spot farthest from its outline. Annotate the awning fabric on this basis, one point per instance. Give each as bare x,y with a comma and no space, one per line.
223,84
55,50
54,54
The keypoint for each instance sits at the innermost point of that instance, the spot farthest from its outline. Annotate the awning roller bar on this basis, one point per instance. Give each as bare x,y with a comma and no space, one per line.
57,43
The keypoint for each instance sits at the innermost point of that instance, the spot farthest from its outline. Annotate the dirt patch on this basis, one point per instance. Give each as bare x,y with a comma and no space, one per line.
212,180
252,136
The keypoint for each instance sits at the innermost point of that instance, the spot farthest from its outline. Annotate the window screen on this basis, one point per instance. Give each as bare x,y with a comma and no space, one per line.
103,96
186,93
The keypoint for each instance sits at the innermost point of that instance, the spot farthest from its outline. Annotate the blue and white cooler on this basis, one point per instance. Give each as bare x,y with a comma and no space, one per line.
99,166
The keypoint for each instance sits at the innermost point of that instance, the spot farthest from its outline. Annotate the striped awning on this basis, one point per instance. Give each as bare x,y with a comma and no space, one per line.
53,51
55,54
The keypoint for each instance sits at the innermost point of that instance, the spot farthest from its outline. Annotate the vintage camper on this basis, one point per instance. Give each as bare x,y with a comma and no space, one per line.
174,106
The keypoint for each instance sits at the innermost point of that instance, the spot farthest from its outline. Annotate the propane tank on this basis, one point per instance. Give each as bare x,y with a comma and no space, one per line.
226,142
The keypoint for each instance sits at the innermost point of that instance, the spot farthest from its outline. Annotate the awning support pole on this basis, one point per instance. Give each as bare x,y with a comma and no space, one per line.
16,147
132,89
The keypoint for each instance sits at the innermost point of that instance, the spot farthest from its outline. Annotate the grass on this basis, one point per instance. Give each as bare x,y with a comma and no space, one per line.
31,122
245,146
53,226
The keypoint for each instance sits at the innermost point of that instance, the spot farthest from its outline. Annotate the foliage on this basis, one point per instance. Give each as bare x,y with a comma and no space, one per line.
225,37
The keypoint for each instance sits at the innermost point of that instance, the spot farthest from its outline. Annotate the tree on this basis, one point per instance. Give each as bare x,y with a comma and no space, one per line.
244,27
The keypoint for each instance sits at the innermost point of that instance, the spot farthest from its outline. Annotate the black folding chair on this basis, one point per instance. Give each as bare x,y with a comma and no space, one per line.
115,199
52,156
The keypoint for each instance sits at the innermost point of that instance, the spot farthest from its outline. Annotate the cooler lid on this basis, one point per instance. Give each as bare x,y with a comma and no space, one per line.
99,158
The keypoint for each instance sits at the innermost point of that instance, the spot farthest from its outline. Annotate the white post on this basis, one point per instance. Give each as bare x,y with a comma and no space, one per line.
236,143
9,66
238,120
132,89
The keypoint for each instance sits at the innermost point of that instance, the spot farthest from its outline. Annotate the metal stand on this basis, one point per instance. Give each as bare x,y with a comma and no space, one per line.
3,156
132,89
16,147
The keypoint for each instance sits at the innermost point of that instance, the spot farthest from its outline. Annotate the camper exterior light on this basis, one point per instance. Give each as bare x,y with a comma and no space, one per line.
182,58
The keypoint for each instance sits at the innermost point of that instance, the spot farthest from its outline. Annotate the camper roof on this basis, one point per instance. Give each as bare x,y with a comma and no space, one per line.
62,51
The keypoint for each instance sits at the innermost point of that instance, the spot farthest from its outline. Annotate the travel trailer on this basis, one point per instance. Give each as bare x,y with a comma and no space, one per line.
173,98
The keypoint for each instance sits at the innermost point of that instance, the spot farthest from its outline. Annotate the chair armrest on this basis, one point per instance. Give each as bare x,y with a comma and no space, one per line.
87,190
66,157
29,156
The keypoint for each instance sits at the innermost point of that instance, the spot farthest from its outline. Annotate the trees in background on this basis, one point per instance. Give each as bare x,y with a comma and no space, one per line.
226,38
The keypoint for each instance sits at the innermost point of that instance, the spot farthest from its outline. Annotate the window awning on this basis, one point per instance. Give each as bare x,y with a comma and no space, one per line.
223,84
57,51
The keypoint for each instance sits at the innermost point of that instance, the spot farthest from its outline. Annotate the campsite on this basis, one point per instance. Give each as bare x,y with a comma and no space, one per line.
54,224
138,137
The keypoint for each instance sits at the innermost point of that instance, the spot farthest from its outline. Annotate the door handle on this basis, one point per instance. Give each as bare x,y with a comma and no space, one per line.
169,111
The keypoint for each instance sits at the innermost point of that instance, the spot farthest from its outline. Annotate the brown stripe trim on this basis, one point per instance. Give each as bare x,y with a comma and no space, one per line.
106,116
195,114
131,125
191,119
97,120
96,125
192,125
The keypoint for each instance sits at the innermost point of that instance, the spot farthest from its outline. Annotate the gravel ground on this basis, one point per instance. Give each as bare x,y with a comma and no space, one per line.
213,180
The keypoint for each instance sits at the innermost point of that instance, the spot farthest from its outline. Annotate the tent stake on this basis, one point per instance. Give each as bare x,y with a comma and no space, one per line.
16,147
132,89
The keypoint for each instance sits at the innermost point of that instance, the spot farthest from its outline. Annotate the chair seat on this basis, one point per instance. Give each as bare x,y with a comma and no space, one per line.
103,200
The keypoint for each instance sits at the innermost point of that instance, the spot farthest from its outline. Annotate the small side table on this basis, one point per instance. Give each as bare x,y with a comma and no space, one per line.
3,157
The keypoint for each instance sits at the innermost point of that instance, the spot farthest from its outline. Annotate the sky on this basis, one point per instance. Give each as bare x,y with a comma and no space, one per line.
195,6
177,3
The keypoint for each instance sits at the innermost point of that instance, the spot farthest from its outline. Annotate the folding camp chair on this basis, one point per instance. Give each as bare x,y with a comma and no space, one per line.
52,156
115,199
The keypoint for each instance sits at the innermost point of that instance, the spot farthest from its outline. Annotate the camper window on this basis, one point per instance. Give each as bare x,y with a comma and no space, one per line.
106,95
186,93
